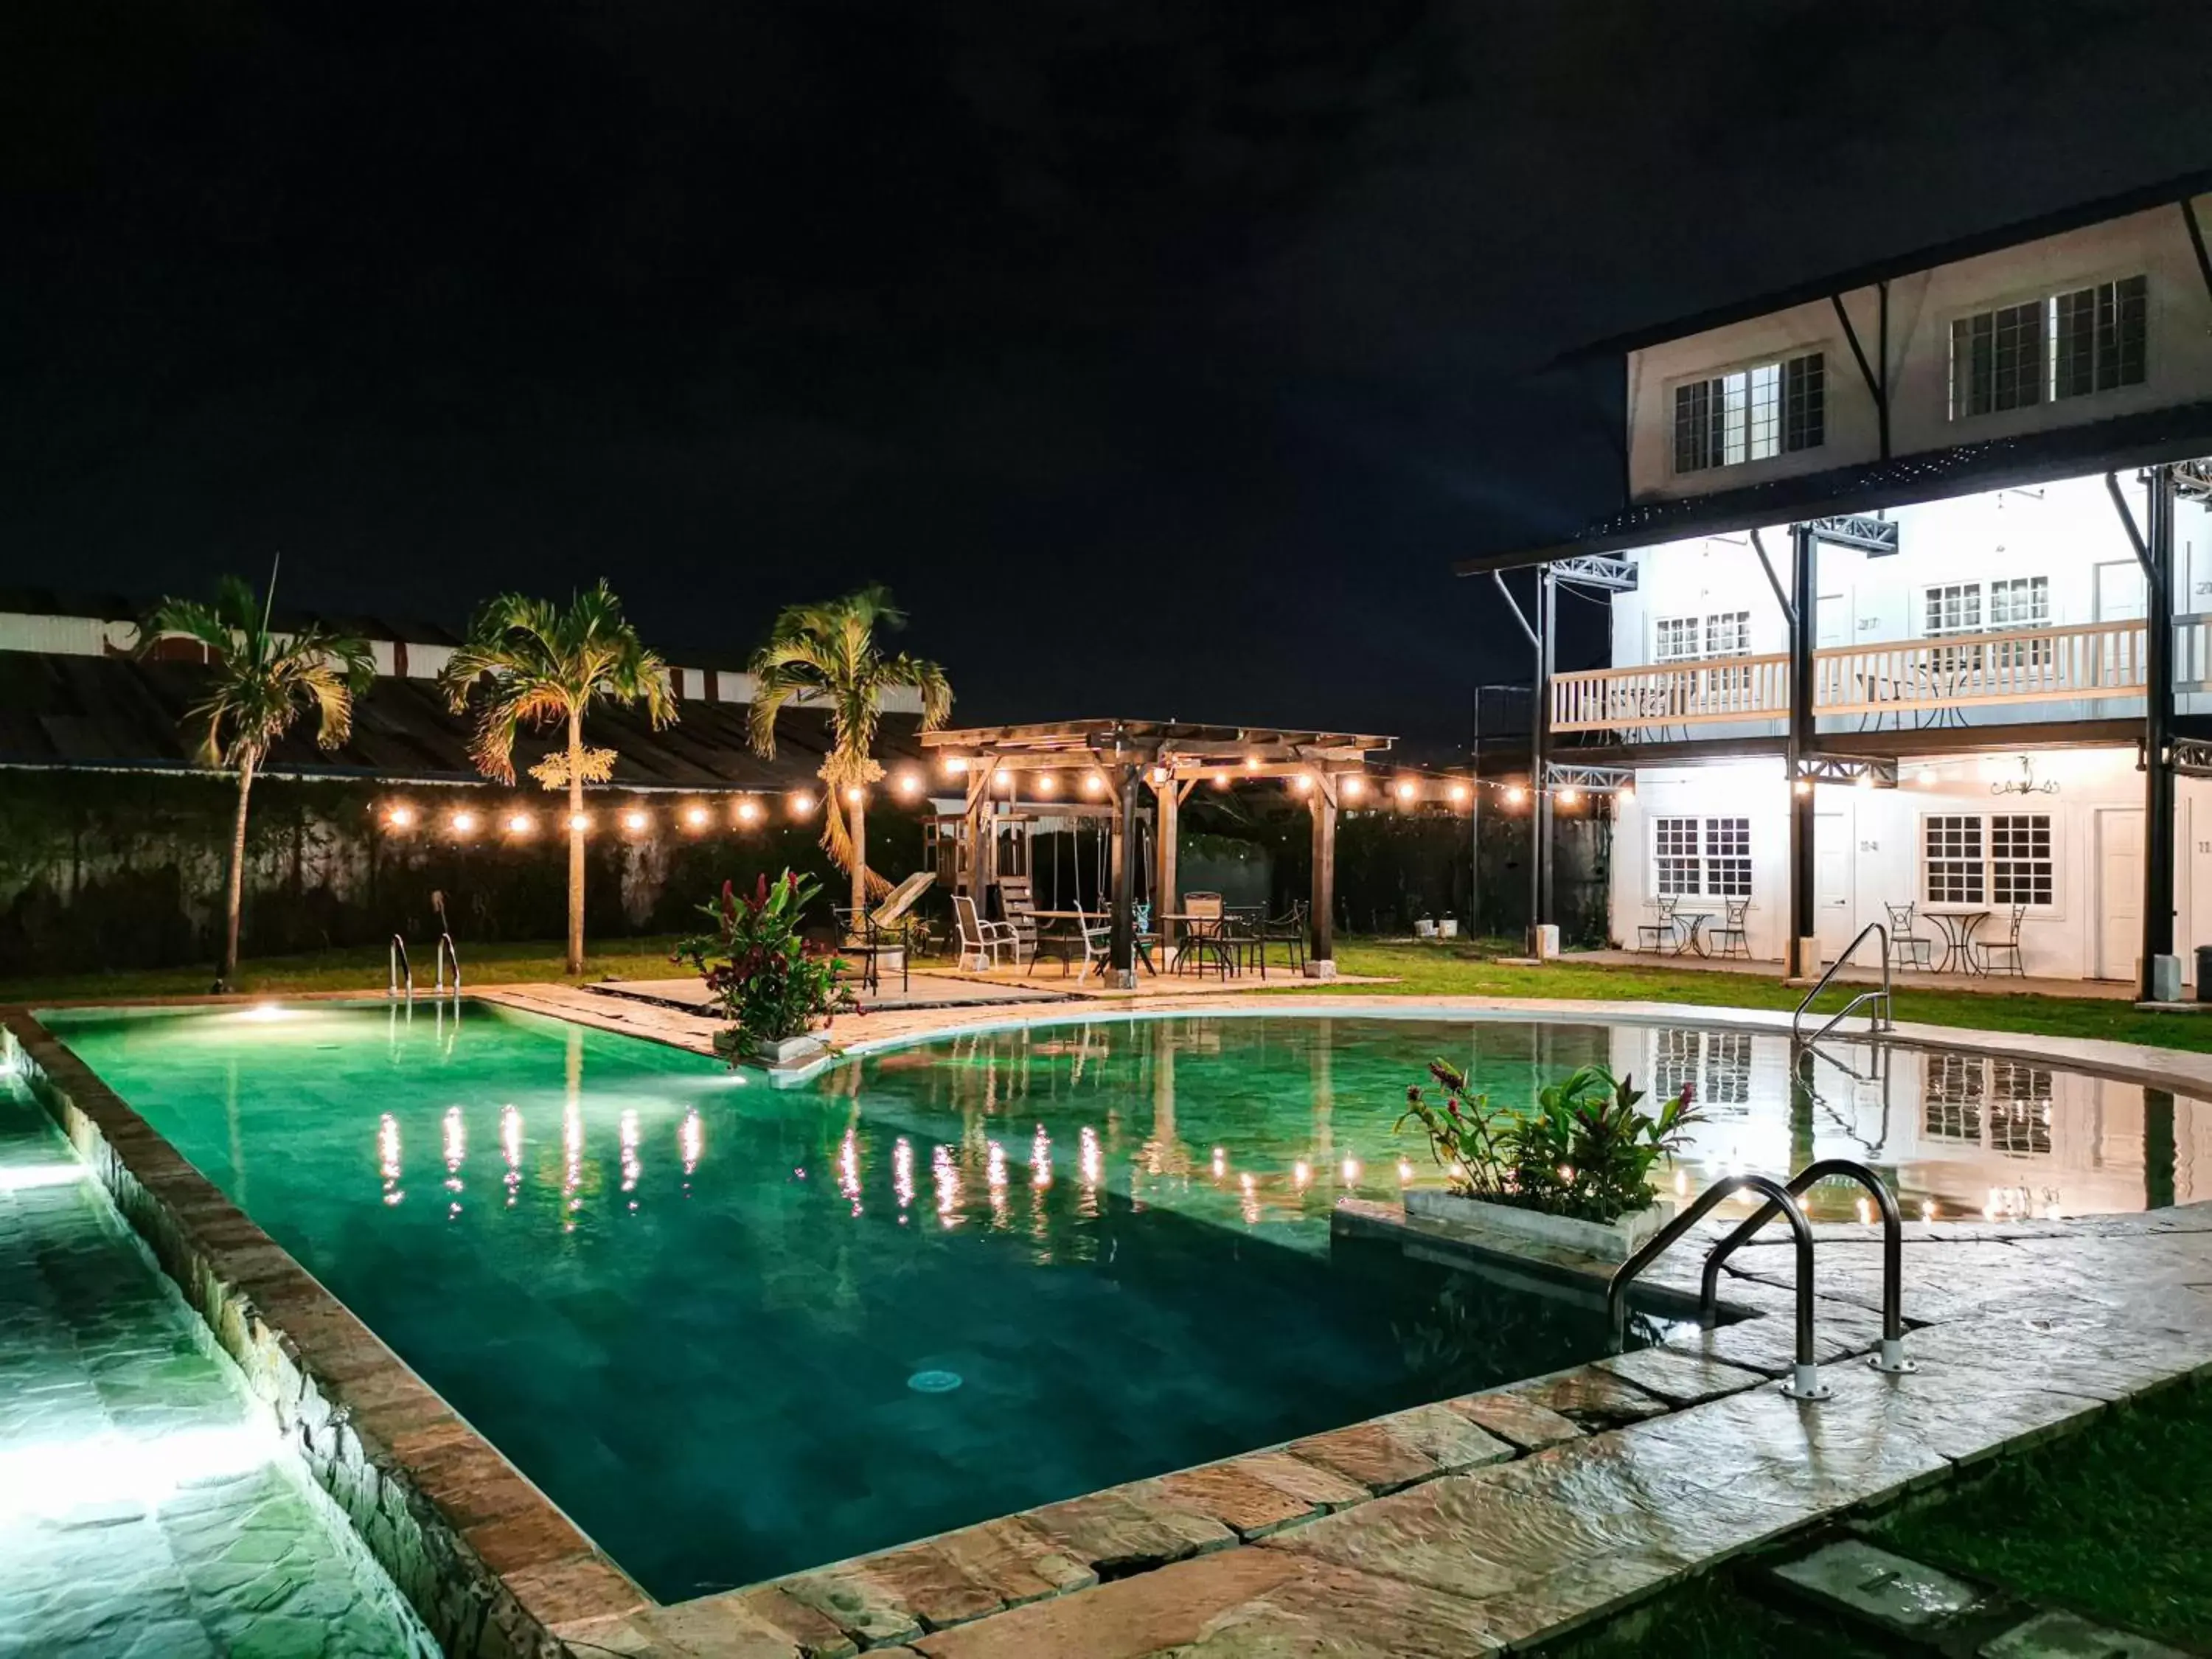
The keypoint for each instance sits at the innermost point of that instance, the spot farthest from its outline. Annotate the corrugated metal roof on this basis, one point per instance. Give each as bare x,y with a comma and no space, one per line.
94,712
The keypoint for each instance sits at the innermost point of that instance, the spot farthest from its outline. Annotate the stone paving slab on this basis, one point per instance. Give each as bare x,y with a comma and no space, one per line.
147,1504
2068,1636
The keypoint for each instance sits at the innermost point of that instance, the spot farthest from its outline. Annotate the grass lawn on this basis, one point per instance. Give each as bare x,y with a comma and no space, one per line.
1433,970
2114,1523
364,968
1416,971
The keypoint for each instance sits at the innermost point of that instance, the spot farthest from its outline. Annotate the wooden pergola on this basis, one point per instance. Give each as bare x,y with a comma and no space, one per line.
1169,757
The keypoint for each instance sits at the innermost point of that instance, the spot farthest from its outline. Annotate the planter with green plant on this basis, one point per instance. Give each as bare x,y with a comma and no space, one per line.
1574,1173
774,992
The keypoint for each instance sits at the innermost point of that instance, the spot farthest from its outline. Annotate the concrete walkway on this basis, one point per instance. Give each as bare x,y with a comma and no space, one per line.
148,1509
1914,979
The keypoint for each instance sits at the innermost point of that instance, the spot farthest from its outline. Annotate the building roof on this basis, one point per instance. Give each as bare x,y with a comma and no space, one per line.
1972,246
120,712
2143,439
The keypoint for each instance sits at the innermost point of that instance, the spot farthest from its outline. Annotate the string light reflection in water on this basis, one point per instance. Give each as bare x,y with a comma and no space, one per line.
713,1376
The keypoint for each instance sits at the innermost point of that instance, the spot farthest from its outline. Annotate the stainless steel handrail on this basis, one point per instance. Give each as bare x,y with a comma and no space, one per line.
1804,1382
1880,1020
1891,1357
446,953
397,959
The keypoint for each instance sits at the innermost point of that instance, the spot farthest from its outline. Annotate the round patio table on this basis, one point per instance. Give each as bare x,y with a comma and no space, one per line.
1958,927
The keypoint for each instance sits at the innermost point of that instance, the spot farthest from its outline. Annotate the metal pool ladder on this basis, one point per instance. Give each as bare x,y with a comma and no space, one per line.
403,975
446,953
1876,1003
1804,1381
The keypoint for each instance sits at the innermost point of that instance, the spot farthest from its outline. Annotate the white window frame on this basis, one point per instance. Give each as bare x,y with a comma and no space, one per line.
1974,859
1714,862
1750,434
2045,300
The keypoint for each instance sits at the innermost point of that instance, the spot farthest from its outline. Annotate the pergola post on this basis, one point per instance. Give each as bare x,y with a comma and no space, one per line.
1121,946
1803,955
1321,950
1169,803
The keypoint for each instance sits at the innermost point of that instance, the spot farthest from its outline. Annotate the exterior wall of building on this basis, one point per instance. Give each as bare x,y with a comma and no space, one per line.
2154,244
1870,852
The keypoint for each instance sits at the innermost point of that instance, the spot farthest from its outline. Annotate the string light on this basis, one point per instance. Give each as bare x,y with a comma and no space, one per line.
464,823
1625,794
634,820
1093,783
1219,780
401,817
1515,794
1405,788
1569,796
1458,793
908,783
1047,784
1927,777
521,823
1306,783
696,816
853,793
1354,788
1251,762
955,765
1802,786
579,822
801,803
1002,778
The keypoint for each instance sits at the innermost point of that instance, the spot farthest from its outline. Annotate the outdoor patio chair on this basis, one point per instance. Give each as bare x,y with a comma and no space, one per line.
1288,930
1660,935
980,939
1995,953
1907,948
891,925
1732,937
1018,907
1204,939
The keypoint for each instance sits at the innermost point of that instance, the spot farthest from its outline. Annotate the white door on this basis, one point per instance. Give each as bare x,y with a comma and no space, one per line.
2119,591
2119,891
1831,621
1833,912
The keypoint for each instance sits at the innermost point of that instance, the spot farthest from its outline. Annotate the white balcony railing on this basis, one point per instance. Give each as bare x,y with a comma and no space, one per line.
1903,677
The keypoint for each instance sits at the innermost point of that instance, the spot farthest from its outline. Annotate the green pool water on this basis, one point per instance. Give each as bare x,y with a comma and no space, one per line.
736,1330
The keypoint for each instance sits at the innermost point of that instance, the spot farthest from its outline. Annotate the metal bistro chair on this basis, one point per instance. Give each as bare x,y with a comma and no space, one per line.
1660,935
2007,948
980,939
1733,937
1288,930
1205,938
1907,948
1019,906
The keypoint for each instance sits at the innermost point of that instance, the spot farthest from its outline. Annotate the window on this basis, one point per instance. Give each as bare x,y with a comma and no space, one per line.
1953,861
2021,869
1751,414
2065,345
1716,1063
2012,604
1708,858
1951,1087
2020,1109
2002,859
2019,602
1674,639
1675,846
1954,609
1728,858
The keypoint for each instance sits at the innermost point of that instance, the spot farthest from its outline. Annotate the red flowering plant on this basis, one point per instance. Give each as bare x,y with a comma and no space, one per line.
770,985
1586,1151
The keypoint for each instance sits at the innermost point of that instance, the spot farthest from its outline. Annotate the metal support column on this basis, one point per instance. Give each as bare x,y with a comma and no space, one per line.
1539,745
2158,742
1802,955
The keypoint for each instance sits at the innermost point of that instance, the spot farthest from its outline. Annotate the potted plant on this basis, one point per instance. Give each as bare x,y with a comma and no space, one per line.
1425,928
1446,927
1574,1173
773,990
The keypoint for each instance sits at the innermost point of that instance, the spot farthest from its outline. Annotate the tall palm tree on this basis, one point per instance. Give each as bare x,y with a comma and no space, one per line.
546,667
828,654
261,683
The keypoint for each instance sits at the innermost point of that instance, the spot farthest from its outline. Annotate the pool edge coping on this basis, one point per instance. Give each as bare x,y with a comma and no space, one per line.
488,1561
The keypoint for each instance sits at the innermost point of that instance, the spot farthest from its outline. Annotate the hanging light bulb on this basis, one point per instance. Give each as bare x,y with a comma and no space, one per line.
1569,795
634,820
1306,783
955,765
1406,789
401,816
1354,788
464,823
908,783
748,810
520,823
1515,794
801,803
1047,784
1093,783
696,816
1459,794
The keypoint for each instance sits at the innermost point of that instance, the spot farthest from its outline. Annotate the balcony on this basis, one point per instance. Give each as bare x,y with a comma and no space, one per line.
1907,680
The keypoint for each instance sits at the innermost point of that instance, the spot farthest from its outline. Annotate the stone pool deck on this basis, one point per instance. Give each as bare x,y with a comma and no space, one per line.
1470,1527
147,1505
1486,1524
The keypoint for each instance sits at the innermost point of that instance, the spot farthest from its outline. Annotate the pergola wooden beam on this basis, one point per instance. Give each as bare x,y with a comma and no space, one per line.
1170,756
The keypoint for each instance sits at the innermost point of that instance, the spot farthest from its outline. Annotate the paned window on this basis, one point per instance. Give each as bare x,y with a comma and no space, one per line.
2020,1109
1951,1087
1675,846
2063,345
1751,414
2020,868
1728,858
2001,859
1952,864
1675,639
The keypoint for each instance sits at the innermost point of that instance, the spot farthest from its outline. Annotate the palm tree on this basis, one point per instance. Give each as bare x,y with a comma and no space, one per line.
546,667
827,654
262,683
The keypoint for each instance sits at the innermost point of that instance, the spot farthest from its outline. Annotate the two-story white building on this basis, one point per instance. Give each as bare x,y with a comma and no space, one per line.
1911,606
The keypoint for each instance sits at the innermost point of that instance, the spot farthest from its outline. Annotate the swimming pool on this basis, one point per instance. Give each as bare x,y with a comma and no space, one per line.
736,1330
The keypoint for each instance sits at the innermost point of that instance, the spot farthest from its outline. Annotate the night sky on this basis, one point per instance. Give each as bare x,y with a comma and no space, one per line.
1161,355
